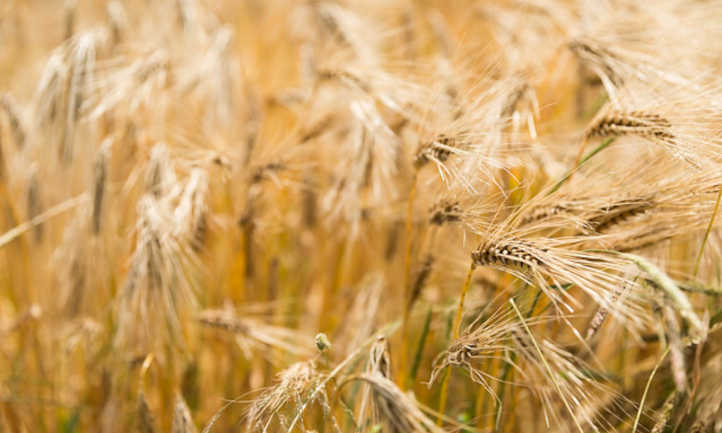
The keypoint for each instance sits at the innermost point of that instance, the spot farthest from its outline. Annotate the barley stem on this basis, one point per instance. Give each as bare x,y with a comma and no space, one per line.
460,309
646,390
706,235
443,396
455,330
420,347
578,159
407,282
58,209
578,165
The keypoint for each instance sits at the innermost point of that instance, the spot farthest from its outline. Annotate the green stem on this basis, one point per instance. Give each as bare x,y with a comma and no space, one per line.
454,335
706,234
646,390
581,162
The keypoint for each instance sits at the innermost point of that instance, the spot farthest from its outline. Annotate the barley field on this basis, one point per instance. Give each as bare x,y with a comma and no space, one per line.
336,216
